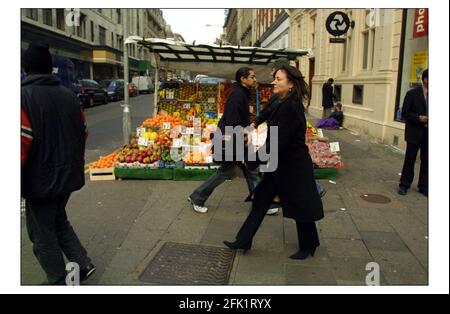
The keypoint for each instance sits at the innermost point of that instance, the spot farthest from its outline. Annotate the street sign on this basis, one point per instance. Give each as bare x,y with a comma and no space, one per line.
337,23
337,40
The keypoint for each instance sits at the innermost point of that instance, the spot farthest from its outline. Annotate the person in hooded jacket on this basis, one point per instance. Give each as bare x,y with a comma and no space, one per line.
53,135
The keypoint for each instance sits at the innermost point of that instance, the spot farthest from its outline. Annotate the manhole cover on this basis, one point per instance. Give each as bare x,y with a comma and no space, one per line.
376,198
189,264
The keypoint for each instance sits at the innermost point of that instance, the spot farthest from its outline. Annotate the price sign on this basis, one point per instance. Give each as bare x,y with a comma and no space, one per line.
197,131
320,133
196,149
142,141
187,106
177,143
140,131
334,147
220,115
190,131
209,159
198,122
211,100
170,94
166,125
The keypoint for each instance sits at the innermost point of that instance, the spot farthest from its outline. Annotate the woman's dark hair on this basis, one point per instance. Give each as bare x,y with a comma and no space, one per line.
242,73
300,92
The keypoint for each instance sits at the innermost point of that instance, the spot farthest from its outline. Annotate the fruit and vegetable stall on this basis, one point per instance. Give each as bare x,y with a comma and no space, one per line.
187,113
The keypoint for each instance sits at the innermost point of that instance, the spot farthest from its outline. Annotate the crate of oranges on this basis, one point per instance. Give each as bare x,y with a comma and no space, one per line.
103,169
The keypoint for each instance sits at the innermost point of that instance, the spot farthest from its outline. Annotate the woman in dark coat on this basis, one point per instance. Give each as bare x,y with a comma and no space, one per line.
293,180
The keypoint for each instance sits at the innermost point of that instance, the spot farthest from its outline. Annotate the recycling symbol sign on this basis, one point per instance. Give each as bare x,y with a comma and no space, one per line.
338,23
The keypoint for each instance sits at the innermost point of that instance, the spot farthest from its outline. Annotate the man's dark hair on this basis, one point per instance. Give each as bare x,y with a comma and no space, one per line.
425,75
330,81
242,73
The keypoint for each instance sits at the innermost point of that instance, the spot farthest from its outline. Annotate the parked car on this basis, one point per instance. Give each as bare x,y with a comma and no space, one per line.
132,90
114,88
90,92
144,84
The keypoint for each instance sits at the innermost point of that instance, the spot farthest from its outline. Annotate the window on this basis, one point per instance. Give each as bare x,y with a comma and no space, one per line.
338,92
344,56
92,32
31,14
118,16
48,16
119,42
102,35
358,93
366,50
112,39
81,29
369,40
60,19
138,30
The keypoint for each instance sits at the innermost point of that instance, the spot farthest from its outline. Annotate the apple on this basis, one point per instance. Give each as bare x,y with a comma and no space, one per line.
128,159
140,159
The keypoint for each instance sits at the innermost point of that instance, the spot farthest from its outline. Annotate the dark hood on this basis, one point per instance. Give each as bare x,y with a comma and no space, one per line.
41,79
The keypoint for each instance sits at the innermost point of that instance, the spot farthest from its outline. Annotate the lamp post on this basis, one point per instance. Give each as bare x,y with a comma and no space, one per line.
126,118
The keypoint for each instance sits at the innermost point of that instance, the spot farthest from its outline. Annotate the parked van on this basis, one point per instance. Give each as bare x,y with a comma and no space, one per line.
144,84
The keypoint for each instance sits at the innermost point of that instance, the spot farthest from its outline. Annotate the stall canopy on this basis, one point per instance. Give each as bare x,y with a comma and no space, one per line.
214,60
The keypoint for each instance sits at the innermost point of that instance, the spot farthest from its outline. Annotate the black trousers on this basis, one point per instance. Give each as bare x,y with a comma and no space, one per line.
308,237
52,236
407,177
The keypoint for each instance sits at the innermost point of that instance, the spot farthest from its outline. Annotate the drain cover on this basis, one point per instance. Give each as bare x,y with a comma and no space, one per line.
189,264
376,198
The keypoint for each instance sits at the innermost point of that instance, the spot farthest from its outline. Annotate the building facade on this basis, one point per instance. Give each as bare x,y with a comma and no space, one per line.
382,58
245,19
231,27
92,39
271,28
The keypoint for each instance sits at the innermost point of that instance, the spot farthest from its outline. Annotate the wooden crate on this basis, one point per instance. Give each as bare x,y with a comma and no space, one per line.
105,174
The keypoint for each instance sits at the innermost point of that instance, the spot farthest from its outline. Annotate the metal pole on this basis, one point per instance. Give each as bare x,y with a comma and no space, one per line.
156,91
126,122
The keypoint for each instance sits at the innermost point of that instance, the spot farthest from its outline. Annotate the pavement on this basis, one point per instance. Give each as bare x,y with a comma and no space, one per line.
123,224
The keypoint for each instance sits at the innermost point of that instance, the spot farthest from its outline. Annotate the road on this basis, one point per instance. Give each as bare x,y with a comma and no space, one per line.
105,124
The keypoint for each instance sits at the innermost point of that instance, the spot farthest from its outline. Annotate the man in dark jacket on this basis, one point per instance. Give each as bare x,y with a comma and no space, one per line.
327,98
237,113
53,134
415,113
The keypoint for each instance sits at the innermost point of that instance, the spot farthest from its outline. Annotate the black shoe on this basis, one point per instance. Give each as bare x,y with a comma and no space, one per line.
87,272
303,254
238,245
423,192
402,191
322,194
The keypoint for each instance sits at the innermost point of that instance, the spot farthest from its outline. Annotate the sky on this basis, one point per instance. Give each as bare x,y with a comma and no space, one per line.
191,23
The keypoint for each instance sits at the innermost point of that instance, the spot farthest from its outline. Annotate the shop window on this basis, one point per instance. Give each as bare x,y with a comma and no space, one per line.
81,29
48,16
31,14
413,54
358,94
60,19
118,16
